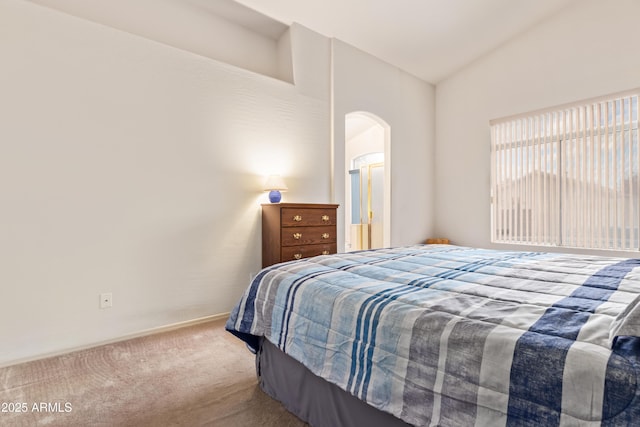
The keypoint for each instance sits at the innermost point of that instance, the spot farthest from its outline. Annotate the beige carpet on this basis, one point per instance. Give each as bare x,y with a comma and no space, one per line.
194,376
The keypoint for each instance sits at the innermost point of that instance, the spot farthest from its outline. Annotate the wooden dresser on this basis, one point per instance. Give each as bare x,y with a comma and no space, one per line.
297,230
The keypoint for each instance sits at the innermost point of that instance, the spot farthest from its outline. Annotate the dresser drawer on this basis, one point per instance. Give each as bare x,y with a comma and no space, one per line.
296,236
297,217
290,253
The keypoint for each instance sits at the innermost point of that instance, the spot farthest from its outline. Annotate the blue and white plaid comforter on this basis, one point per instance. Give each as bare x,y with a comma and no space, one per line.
454,336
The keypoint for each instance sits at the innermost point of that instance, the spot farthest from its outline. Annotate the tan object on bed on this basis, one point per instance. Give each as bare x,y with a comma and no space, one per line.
437,241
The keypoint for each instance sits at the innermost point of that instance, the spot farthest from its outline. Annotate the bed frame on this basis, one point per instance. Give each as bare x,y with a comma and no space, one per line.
311,398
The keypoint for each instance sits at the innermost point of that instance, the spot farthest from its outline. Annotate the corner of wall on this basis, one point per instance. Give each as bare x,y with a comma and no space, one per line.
284,57
311,59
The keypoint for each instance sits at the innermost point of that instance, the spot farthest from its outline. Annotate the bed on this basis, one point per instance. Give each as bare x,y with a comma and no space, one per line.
446,335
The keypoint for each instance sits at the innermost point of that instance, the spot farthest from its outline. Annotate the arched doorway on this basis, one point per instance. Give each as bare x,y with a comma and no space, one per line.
367,189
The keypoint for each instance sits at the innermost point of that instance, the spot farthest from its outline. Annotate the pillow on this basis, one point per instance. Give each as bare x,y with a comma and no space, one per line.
627,323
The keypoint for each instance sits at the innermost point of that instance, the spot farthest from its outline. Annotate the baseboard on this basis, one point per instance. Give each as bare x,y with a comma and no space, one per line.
143,333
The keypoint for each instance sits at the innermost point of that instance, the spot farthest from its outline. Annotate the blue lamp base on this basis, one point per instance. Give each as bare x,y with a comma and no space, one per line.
275,196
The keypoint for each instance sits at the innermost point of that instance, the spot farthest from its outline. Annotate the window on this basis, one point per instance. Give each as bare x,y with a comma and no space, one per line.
568,176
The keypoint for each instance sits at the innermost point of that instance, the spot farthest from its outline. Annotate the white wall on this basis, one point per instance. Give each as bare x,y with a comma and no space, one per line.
132,167
362,82
588,50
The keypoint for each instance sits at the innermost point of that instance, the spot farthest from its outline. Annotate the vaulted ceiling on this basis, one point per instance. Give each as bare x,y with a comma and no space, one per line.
430,39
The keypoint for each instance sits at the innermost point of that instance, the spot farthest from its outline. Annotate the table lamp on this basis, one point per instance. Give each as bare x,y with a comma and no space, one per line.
274,185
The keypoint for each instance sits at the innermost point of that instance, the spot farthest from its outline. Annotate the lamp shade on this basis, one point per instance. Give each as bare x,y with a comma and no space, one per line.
275,182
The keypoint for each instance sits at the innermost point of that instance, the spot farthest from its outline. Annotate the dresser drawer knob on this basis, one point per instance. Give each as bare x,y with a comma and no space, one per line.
325,218
297,236
297,256
325,235
297,218
325,252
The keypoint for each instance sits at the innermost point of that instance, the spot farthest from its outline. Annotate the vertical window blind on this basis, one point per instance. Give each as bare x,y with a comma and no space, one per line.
568,176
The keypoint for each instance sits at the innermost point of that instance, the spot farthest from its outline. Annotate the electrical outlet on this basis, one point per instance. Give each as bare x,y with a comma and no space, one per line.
106,300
